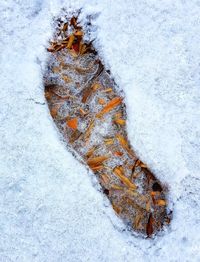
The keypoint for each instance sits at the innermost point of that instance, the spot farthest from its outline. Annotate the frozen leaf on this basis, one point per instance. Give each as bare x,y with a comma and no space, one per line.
123,142
120,121
107,90
72,123
118,153
118,171
96,161
65,27
105,179
161,202
117,187
110,106
109,141
78,33
71,40
101,101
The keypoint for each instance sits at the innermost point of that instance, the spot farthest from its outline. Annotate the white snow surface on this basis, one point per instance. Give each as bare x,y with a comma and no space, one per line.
50,205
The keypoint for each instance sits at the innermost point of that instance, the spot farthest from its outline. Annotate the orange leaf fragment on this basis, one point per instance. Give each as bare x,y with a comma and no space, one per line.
96,86
87,92
109,141
90,152
116,208
118,115
111,105
118,153
116,187
73,53
59,47
123,142
65,27
118,171
161,202
78,33
107,90
101,101
56,69
83,48
153,193
82,111
96,161
72,123
89,130
48,95
148,206
73,21
143,165
50,49
66,78
120,121
71,40
105,179
54,112
140,163
137,221
95,168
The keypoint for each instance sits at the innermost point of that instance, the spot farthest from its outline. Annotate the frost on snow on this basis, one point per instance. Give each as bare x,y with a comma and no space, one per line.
50,207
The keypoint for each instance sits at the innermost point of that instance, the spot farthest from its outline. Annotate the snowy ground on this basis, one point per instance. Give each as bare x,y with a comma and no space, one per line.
50,207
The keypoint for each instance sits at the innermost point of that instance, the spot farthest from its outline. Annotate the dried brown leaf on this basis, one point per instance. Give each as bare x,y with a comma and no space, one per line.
149,226
96,161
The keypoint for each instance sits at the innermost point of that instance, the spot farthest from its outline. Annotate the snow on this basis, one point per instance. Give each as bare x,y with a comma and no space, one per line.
50,206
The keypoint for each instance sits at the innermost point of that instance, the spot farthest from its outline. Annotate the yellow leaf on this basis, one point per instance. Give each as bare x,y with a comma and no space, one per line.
161,202
71,40
107,90
120,121
109,141
118,171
